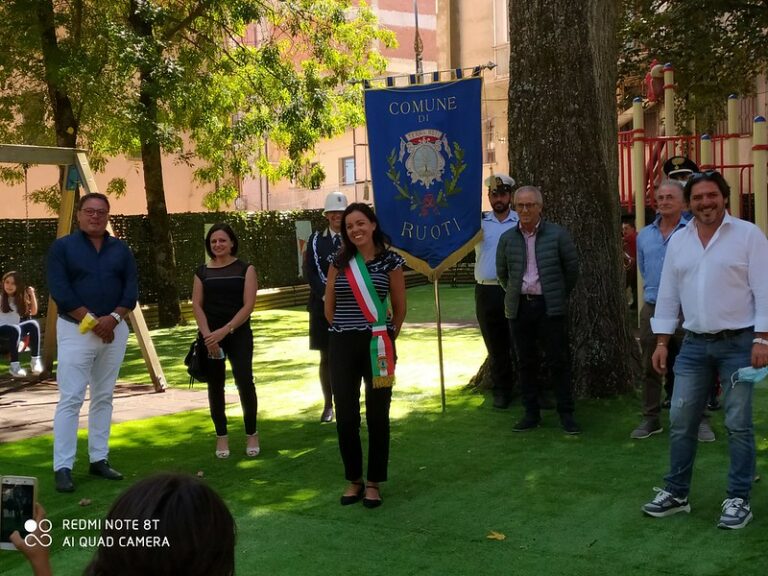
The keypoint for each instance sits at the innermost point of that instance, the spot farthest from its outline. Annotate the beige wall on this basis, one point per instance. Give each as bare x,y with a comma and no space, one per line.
182,193
285,195
474,33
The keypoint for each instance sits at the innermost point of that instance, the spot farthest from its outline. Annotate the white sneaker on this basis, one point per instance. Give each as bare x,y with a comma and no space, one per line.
16,370
36,365
665,504
736,514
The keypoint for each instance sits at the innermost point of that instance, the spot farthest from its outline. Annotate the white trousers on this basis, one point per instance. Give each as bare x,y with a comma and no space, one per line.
84,359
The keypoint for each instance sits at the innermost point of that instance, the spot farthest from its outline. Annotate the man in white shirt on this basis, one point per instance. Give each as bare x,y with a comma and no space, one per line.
716,269
489,296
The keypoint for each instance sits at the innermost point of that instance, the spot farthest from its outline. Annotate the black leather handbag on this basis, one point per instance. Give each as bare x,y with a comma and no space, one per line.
195,361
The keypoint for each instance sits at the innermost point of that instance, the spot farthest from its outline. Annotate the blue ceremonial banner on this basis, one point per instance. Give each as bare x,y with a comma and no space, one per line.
426,167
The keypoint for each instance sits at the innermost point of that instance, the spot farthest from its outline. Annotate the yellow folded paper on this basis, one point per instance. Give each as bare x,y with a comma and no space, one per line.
88,322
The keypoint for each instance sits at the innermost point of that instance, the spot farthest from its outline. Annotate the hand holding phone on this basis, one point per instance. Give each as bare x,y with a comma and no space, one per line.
37,555
18,495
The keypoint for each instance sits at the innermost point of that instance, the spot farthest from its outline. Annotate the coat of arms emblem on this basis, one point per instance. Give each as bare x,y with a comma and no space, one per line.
422,150
425,154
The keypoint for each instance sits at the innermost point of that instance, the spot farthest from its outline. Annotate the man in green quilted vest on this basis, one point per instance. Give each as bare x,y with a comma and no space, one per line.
537,266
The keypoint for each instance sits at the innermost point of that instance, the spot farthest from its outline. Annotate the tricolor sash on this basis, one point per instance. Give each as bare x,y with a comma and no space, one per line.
375,312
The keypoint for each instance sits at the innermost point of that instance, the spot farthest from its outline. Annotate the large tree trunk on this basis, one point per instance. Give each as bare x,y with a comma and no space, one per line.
64,119
65,122
562,138
169,311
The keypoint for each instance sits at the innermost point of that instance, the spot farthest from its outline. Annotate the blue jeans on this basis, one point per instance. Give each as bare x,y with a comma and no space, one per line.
699,360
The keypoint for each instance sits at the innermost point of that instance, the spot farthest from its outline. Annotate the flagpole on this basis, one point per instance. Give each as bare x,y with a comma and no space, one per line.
440,342
418,46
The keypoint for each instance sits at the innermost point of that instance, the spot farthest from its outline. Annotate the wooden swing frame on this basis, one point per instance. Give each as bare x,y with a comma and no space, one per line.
51,156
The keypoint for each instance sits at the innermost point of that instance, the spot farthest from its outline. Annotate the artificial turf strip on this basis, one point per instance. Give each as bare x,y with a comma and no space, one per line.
564,505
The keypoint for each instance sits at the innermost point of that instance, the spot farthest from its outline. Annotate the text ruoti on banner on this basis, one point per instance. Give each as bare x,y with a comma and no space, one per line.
426,167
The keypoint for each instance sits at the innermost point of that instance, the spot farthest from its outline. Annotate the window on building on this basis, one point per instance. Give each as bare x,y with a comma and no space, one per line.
347,170
500,22
489,142
501,37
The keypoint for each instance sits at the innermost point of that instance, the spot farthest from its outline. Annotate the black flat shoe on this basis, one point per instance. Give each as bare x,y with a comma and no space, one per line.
63,478
354,498
103,469
373,502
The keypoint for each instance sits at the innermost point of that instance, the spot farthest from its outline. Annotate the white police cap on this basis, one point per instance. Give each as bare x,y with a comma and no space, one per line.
335,202
496,180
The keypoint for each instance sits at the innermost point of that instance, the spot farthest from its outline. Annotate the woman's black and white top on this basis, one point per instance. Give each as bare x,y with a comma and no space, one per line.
347,315
223,292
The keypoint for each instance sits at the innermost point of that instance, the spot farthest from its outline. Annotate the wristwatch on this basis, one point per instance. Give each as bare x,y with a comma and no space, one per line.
117,317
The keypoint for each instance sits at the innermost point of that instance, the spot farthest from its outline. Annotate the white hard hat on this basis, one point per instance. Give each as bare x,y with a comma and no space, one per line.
335,202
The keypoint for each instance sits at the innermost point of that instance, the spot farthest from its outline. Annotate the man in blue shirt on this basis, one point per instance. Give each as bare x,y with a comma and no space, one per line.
651,249
489,296
92,279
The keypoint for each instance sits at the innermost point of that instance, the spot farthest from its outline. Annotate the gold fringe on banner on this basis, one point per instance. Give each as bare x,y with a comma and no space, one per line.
422,267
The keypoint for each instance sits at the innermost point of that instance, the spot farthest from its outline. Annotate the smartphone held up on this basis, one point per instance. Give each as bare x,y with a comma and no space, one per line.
18,495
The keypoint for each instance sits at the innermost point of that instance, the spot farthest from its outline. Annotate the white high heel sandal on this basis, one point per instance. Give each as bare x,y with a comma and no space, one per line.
222,453
253,451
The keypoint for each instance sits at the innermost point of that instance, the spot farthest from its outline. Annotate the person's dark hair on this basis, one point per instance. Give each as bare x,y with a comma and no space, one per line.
709,176
628,219
92,196
348,250
19,298
197,524
229,232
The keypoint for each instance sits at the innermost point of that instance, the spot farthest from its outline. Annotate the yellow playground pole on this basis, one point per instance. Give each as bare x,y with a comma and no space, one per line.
732,155
638,161
759,167
638,177
669,104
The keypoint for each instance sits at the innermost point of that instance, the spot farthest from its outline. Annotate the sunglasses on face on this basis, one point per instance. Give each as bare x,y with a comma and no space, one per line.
707,175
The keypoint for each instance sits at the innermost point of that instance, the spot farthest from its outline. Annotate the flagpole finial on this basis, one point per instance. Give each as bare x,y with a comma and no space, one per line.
418,46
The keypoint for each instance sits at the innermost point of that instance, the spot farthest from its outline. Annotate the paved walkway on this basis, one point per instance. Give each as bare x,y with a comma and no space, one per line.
27,410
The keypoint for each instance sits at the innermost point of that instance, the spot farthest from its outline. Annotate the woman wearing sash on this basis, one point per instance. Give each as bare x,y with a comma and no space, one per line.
365,307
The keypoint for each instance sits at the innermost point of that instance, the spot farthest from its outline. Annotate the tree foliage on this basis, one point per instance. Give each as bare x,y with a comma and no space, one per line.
229,91
717,48
187,78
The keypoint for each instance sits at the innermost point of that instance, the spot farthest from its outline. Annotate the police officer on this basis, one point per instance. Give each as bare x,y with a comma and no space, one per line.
680,168
321,248
489,296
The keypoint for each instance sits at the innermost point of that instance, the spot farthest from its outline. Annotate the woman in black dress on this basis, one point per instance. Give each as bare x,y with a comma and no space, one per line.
223,296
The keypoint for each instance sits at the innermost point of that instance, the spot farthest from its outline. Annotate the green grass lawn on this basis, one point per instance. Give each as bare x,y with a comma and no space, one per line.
565,505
